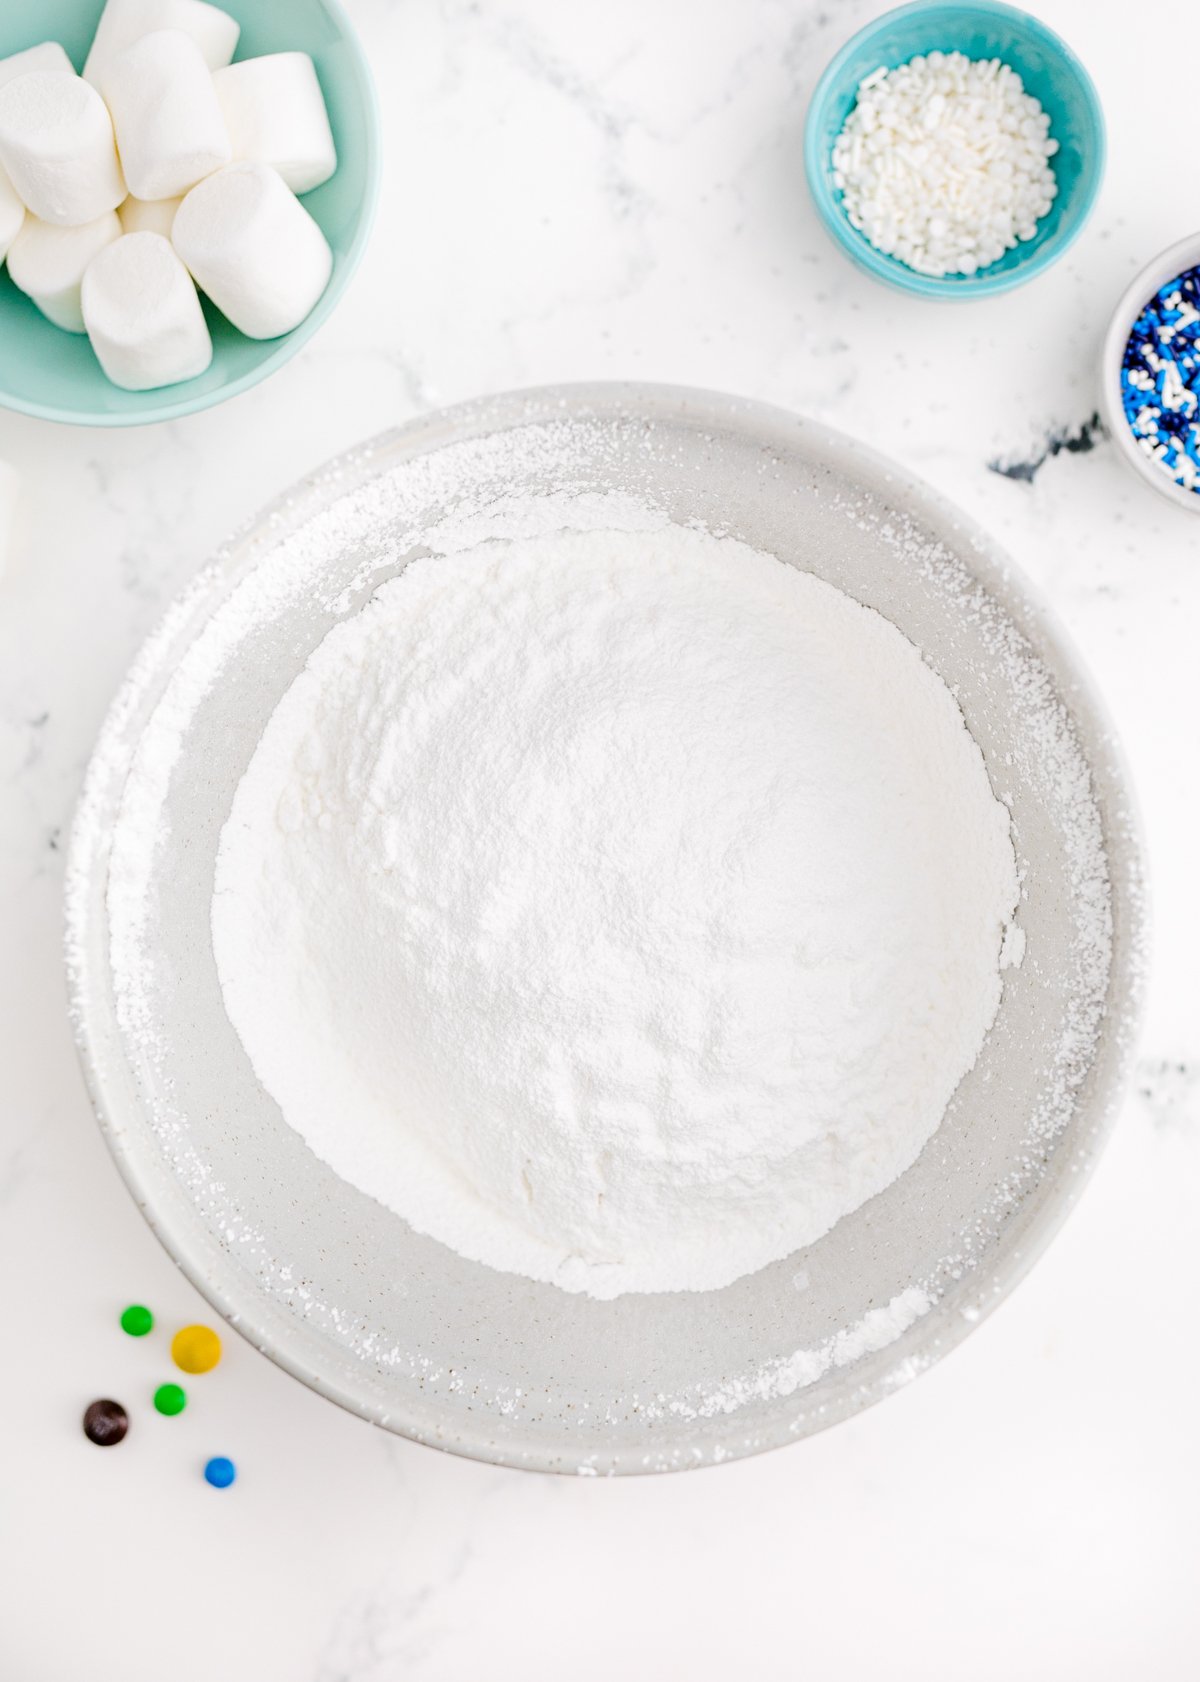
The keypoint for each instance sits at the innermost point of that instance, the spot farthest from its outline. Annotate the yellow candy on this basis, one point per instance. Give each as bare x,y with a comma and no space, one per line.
196,1349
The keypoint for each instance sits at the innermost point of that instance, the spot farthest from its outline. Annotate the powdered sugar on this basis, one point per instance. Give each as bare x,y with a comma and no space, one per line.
787,1374
622,908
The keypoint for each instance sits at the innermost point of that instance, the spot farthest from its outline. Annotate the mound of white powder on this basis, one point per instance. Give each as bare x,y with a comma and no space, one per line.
620,908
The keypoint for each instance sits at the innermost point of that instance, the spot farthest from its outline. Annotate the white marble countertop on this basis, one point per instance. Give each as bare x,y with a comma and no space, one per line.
587,192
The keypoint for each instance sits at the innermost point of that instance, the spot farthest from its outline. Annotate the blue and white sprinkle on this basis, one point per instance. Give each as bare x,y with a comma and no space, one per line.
1160,379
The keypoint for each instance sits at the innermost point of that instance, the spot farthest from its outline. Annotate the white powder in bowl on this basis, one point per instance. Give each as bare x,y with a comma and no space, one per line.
621,908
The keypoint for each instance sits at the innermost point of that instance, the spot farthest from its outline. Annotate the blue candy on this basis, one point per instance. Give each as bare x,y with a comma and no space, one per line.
220,1472
1160,379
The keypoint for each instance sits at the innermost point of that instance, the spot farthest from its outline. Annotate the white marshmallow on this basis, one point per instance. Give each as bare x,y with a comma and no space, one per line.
275,113
49,264
9,488
12,214
49,56
125,21
143,315
56,142
148,216
253,247
168,122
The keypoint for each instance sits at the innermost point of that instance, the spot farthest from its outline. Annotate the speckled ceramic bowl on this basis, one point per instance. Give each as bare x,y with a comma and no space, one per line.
393,1325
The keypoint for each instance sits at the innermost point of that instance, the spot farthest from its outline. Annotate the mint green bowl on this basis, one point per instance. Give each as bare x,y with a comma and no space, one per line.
55,375
979,29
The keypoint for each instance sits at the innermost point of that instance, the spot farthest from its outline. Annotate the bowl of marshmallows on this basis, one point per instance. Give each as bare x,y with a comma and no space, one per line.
185,191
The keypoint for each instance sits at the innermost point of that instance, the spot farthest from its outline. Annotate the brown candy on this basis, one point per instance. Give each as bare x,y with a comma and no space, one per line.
105,1423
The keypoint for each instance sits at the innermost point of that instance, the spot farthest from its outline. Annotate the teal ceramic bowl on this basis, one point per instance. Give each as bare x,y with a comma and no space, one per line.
979,29
46,372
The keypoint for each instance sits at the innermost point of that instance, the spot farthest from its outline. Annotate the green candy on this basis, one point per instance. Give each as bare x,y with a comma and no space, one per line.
170,1399
137,1320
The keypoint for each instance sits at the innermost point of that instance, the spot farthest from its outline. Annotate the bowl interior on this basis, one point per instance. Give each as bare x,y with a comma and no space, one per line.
1174,261
979,29
396,1326
47,372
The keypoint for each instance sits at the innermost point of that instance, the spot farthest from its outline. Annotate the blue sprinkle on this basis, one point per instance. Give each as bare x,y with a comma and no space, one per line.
1160,379
220,1472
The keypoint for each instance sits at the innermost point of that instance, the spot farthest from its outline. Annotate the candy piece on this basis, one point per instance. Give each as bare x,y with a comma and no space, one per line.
125,21
143,316
149,216
56,142
137,1320
944,162
49,264
9,487
105,1423
49,56
1160,379
166,115
196,1349
170,1399
12,214
275,113
220,1472
253,247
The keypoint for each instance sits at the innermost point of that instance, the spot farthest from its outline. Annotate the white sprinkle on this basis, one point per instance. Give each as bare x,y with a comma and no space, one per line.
943,162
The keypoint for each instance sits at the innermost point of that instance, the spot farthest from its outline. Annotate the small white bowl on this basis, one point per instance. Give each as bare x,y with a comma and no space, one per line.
1185,254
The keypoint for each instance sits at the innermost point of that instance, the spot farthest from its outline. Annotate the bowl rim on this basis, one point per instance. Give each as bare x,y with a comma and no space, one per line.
889,269
289,343
1170,262
964,1305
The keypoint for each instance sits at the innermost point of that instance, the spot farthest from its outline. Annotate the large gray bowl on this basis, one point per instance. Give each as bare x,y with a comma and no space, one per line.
341,1292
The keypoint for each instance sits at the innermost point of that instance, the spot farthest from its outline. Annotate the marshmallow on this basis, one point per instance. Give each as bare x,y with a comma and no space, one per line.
253,247
148,216
275,113
9,486
49,263
166,114
56,142
49,56
143,314
125,21
12,214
